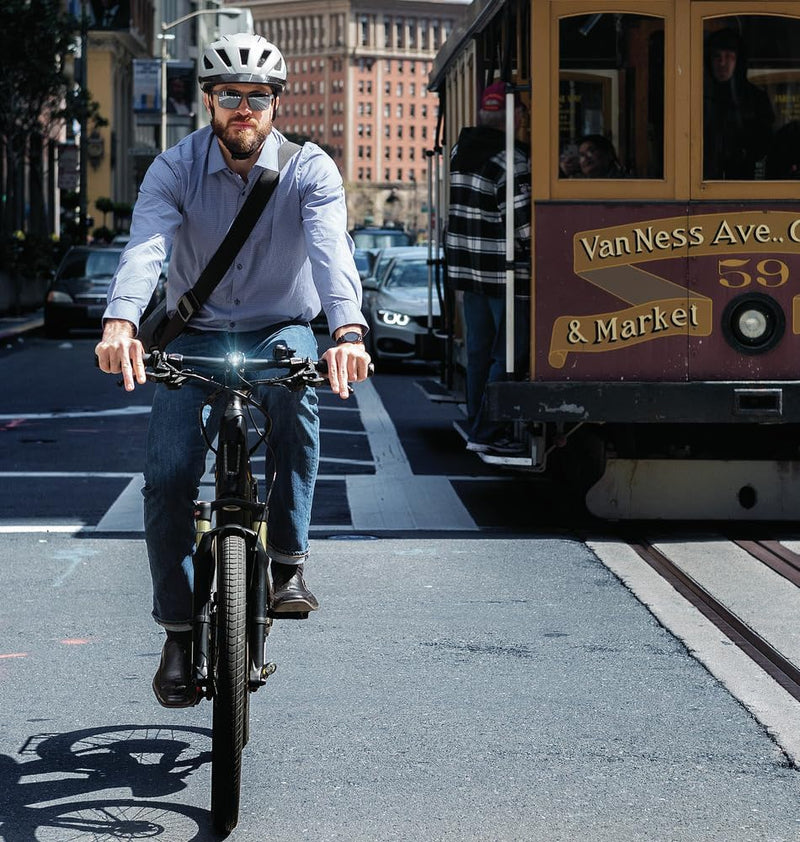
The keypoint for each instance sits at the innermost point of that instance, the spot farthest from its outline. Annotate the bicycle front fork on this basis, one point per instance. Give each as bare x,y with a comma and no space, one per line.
258,602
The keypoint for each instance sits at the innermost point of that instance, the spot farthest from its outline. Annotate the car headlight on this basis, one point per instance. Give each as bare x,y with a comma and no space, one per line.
753,323
56,296
390,317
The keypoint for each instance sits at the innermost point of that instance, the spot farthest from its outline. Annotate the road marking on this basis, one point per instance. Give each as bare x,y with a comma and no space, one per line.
12,528
67,474
92,413
394,497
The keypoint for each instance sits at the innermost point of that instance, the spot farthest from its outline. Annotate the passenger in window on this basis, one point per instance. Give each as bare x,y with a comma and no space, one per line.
569,164
737,115
598,158
783,161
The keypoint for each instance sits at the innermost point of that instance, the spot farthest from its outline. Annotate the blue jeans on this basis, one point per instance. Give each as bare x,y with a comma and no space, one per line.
176,458
485,320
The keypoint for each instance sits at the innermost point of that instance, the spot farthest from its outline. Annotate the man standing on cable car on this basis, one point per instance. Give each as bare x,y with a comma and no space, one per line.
475,247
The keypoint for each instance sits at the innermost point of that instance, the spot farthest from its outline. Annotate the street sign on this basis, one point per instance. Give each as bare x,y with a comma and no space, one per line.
67,167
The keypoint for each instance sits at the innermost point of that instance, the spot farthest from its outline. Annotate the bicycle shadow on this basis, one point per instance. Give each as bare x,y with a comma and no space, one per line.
53,788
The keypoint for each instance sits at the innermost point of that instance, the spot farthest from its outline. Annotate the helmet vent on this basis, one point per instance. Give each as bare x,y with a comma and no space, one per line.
263,59
244,55
225,58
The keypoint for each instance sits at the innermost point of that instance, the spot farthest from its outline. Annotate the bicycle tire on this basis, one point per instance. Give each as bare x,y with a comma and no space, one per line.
230,685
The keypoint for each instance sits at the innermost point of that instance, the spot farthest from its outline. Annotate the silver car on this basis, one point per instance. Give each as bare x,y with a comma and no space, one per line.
396,306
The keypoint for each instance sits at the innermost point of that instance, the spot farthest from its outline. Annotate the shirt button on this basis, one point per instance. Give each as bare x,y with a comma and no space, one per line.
236,301
238,265
231,324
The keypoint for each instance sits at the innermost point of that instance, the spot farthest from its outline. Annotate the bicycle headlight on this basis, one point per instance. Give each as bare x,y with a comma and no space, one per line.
390,317
753,323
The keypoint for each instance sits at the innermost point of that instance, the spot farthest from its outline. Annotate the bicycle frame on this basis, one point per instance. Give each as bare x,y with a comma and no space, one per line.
232,591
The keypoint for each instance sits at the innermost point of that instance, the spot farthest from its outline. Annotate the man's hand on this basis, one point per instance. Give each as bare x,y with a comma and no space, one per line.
347,363
118,352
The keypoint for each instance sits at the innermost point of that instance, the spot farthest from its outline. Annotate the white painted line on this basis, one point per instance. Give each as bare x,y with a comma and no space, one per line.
67,474
388,453
383,501
22,528
394,497
97,413
767,701
127,511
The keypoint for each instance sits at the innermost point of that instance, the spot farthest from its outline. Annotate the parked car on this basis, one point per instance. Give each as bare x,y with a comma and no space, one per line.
364,260
383,257
77,296
377,238
396,310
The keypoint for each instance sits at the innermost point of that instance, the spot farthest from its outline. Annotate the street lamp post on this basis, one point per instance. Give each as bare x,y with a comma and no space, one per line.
164,38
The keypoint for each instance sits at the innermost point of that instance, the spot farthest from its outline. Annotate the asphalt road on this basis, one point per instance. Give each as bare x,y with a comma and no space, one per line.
486,679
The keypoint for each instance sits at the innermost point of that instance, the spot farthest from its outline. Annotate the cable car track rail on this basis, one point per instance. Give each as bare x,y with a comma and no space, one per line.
768,657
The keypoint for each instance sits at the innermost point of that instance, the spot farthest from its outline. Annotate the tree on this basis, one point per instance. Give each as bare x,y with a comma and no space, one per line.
37,43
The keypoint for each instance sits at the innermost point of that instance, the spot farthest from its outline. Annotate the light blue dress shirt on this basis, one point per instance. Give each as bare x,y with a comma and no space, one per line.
298,258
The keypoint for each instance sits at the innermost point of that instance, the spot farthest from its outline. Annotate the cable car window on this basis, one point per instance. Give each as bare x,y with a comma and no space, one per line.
611,96
751,98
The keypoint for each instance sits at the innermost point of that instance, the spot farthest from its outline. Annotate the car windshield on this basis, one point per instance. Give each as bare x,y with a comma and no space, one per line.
408,273
92,264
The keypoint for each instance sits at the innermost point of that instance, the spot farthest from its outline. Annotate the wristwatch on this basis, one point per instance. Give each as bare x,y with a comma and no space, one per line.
350,336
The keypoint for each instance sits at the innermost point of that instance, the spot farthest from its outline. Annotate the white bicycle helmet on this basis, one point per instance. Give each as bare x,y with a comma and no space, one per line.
243,58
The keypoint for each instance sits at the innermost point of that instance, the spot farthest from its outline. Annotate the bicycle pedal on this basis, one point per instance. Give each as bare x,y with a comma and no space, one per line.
288,615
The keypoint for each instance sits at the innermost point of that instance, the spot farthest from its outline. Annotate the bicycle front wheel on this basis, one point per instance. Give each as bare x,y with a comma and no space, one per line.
230,682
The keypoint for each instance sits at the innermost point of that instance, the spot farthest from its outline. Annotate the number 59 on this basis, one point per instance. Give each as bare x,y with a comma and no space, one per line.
771,273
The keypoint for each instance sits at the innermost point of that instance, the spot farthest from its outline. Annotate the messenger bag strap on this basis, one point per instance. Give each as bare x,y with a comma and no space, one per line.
190,302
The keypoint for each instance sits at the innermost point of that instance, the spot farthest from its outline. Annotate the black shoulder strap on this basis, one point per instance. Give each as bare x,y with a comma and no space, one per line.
190,302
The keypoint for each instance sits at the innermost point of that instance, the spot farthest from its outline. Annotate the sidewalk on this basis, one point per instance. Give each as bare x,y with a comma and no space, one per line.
11,326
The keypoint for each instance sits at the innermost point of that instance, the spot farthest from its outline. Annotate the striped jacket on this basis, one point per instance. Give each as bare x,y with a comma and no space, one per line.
475,244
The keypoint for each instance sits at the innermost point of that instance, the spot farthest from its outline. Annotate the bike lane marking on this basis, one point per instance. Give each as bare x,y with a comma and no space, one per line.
394,497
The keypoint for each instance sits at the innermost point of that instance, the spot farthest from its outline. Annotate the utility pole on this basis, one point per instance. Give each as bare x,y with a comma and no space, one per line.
84,121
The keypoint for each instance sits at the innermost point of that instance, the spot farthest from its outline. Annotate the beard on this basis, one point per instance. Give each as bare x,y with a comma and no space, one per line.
241,143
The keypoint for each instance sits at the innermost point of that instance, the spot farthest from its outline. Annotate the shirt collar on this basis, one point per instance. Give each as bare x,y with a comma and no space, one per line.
267,159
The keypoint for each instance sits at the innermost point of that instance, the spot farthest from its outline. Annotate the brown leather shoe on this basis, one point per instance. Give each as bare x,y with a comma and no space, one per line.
172,683
290,592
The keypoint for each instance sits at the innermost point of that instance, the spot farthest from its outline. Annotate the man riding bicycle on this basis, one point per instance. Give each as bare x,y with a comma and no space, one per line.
297,259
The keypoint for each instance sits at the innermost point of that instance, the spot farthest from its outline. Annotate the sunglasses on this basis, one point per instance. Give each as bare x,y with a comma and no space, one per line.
231,100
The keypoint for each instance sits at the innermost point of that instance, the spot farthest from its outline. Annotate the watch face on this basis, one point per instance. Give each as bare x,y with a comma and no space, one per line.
350,336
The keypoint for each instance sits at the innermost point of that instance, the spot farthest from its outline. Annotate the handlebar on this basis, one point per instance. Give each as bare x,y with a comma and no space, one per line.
175,369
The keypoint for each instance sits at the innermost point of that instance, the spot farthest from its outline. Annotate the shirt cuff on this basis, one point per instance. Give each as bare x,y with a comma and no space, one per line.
345,314
123,310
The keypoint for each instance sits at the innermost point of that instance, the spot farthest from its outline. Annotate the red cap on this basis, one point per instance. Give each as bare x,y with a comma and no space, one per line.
494,97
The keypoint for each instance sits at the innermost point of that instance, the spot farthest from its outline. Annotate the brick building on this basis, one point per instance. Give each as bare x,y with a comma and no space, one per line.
358,74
